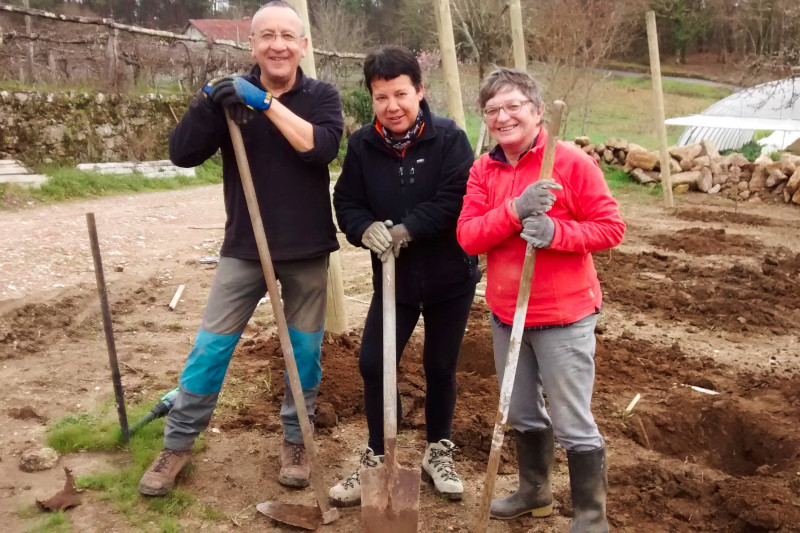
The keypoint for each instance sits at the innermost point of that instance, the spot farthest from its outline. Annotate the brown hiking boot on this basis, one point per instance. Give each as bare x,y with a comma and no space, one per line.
295,469
160,477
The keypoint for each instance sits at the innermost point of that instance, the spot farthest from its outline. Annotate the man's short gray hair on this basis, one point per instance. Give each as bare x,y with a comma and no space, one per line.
502,78
280,3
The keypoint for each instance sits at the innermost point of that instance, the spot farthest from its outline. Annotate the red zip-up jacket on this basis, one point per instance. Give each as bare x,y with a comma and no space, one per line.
565,287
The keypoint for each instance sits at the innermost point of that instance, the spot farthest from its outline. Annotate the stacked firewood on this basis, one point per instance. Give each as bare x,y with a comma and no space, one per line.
700,167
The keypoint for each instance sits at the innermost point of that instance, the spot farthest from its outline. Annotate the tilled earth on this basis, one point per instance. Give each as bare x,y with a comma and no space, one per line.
702,313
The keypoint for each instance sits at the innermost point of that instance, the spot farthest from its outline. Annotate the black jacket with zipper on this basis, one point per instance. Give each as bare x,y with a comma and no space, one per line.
293,188
423,189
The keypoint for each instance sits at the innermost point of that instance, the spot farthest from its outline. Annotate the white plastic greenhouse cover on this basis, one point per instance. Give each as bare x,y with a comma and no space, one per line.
732,121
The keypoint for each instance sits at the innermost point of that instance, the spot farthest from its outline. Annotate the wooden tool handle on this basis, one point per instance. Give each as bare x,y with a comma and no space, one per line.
389,362
517,329
280,317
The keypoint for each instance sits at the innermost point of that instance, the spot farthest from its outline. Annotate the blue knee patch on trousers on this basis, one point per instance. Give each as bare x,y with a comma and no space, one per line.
307,351
208,362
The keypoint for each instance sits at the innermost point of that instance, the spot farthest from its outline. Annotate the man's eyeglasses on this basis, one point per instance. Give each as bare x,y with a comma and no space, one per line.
511,108
270,37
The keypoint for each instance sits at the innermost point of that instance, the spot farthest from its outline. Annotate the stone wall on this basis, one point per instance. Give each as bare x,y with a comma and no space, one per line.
700,167
43,127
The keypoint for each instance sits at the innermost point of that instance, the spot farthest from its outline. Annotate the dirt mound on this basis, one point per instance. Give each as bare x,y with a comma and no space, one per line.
707,241
709,446
343,389
736,298
727,217
680,461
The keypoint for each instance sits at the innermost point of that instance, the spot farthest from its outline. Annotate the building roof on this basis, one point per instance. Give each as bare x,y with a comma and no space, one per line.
732,122
219,29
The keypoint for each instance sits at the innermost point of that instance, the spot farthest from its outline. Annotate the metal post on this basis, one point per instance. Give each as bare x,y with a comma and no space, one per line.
108,327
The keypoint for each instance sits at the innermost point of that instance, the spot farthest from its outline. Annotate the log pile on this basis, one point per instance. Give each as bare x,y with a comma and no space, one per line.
700,167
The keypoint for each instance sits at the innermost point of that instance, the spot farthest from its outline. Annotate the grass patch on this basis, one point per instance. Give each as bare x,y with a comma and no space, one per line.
623,107
100,431
52,523
473,121
675,87
68,183
620,181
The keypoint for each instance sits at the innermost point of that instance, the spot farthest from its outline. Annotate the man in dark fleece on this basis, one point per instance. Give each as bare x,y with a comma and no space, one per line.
291,126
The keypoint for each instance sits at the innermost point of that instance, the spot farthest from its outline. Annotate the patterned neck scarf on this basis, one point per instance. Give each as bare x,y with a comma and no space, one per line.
400,144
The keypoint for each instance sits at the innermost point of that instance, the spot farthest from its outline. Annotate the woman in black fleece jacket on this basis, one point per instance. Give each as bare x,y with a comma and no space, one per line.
400,192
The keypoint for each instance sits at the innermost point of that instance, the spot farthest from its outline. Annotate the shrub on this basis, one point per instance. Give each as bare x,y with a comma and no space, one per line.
357,104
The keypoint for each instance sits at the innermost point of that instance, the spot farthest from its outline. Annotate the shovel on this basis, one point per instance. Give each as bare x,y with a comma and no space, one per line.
389,493
517,329
304,516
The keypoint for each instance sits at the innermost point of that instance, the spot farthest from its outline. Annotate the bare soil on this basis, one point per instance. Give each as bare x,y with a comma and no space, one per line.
701,299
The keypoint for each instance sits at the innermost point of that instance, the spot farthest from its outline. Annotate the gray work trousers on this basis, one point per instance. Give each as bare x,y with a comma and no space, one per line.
237,288
561,361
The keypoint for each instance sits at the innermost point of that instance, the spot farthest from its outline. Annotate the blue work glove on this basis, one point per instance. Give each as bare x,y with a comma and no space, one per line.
222,92
400,239
538,230
536,198
228,90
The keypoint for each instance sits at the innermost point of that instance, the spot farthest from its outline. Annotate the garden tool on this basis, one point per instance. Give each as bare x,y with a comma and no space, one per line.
517,329
108,327
161,409
389,493
303,516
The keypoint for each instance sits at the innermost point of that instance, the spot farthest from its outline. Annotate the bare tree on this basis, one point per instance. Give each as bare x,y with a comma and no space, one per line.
571,38
337,28
484,26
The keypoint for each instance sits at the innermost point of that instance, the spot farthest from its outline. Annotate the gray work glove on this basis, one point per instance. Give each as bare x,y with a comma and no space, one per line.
536,198
538,230
377,238
400,239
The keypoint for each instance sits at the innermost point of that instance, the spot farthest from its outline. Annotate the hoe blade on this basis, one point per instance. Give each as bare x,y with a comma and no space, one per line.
304,516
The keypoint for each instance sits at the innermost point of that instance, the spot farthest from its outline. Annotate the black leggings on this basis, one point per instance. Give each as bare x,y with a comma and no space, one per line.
444,329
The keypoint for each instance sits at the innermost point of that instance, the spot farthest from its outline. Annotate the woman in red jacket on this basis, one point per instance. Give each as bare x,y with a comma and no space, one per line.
566,220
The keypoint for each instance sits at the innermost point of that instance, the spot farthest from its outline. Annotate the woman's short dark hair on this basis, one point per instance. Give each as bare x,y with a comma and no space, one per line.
390,62
501,78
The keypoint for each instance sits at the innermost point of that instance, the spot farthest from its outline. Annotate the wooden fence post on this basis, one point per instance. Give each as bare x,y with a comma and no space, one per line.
306,63
447,44
111,56
517,35
655,71
335,317
29,76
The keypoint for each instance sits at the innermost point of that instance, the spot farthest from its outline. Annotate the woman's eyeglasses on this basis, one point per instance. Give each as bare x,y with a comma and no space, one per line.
511,108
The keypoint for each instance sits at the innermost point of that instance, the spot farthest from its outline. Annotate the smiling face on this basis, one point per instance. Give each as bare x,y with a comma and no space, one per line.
513,132
277,46
396,103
